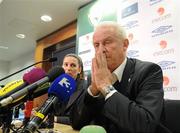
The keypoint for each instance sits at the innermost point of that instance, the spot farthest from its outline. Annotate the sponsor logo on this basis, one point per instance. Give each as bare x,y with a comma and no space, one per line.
167,88
167,65
133,53
165,81
159,19
87,37
87,63
152,2
86,40
170,89
162,15
163,52
130,10
131,24
161,10
130,36
131,39
95,15
64,82
163,44
162,30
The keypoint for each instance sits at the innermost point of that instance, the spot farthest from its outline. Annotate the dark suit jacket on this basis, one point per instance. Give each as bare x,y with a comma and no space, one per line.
62,110
136,107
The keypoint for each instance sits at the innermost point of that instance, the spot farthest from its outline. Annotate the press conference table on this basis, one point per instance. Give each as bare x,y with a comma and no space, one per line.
59,128
64,128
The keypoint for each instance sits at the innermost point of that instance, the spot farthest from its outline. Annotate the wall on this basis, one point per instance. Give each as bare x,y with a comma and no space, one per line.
4,69
20,63
60,35
7,68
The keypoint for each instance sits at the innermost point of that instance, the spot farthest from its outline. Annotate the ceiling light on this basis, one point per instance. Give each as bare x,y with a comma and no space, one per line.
3,47
20,36
46,18
1,1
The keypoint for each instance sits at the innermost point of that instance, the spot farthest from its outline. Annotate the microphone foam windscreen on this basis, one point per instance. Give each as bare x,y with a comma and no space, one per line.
92,129
34,75
28,108
63,87
55,72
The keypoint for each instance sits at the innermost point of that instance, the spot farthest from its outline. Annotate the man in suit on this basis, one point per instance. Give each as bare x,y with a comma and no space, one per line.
125,95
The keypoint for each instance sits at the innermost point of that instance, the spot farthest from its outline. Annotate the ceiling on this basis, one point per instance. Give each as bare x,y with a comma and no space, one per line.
23,16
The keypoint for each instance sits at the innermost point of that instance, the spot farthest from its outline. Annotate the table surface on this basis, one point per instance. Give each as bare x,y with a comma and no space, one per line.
58,128
64,128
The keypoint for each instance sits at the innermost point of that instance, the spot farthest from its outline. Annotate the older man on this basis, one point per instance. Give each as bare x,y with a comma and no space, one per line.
125,94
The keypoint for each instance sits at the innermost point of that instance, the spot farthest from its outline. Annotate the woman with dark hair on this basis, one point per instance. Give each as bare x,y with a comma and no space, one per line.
73,66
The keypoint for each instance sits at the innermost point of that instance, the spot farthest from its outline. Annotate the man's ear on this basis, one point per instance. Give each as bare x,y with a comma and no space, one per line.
125,44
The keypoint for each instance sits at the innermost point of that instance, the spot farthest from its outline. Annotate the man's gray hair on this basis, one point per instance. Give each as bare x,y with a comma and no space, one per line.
118,28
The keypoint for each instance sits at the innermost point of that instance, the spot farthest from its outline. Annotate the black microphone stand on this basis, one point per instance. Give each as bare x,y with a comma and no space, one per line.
6,120
47,60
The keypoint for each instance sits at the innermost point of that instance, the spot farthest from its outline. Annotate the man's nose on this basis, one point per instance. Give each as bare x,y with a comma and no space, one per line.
102,48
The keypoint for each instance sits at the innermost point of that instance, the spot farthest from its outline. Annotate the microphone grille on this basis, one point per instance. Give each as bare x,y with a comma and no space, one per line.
55,72
92,129
34,75
63,87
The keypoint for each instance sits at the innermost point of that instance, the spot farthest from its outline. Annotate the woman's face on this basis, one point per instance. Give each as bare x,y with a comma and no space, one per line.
71,66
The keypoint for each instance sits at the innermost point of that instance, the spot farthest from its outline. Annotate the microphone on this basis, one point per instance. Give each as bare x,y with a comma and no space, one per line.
28,78
27,111
41,90
11,87
46,60
29,104
61,89
52,74
53,59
